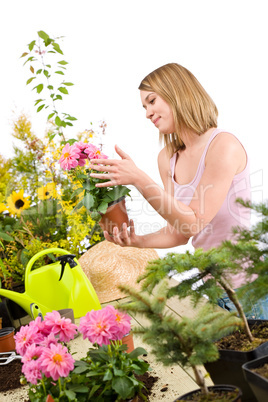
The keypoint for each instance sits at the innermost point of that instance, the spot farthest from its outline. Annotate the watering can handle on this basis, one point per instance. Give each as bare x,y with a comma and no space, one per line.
41,254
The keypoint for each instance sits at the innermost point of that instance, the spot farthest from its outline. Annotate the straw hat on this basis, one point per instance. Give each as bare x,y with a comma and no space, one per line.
107,265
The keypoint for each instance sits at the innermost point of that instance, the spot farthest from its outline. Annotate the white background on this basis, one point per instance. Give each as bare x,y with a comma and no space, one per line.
112,45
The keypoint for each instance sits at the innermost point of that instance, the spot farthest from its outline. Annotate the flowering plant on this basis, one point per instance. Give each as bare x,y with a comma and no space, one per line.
107,373
74,158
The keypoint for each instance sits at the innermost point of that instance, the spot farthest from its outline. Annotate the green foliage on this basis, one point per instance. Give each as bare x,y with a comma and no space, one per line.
188,342
106,374
46,219
47,77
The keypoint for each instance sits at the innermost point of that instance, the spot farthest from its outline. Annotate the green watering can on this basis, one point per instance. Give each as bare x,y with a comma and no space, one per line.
56,286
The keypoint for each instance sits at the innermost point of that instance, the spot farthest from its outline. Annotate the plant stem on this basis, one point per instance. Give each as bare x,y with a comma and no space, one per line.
200,380
233,297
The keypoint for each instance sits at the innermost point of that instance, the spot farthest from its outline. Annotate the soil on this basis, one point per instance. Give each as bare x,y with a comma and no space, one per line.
10,376
262,371
239,341
213,397
10,379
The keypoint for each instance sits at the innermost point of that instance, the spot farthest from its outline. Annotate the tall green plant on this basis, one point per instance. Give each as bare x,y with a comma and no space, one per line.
188,342
44,71
216,266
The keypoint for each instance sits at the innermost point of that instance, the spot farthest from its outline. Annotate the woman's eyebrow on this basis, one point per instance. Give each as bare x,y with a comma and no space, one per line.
146,99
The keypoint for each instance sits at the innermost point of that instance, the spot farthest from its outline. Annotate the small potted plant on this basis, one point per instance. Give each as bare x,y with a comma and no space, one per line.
106,204
188,342
107,373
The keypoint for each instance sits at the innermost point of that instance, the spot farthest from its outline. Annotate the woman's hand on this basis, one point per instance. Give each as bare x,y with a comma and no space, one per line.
124,238
117,172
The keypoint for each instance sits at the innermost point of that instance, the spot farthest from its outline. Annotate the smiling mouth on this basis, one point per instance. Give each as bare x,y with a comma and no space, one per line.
156,120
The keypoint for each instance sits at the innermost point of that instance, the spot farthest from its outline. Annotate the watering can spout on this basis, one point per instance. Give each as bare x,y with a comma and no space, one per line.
21,299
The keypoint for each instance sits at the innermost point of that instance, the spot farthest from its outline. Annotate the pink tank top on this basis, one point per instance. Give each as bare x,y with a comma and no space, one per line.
231,214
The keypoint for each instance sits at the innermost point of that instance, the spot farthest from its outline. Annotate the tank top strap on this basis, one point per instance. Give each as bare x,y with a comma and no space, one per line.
211,138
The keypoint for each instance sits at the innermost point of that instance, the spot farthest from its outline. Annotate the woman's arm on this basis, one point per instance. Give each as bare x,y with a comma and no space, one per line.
223,162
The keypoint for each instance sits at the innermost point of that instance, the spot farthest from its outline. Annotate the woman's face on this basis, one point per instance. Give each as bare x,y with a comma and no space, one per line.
158,111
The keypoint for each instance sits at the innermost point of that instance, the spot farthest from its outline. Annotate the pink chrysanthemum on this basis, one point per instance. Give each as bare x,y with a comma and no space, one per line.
48,340
32,372
69,157
122,322
33,352
60,326
80,147
56,362
26,336
98,326
94,152
40,326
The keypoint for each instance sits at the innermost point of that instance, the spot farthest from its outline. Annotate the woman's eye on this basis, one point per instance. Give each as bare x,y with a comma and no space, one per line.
152,101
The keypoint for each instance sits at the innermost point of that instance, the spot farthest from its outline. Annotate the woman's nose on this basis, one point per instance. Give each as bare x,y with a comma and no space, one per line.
149,113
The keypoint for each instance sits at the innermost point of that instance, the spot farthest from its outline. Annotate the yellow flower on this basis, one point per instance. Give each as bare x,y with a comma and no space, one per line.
47,191
17,202
3,207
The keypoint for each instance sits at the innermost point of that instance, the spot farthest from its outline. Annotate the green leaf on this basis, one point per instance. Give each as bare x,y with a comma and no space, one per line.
58,121
50,87
137,352
38,101
59,72
58,97
71,118
108,375
40,108
102,208
68,84
39,88
57,47
50,115
6,237
46,73
62,62
30,80
88,201
31,45
63,90
123,386
43,35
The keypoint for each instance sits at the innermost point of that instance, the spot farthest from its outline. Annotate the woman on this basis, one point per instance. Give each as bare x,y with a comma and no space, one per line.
203,169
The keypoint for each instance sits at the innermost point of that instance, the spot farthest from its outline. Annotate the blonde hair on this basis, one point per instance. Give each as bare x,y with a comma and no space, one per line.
191,106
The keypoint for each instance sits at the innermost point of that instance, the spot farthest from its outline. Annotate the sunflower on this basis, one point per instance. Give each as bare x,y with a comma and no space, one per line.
3,207
47,191
17,202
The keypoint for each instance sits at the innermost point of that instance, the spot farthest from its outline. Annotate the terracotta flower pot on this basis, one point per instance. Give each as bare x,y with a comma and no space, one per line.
128,340
49,398
115,215
7,341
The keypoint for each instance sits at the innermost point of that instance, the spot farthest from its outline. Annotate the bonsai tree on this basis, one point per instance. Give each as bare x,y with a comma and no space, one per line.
188,342
216,265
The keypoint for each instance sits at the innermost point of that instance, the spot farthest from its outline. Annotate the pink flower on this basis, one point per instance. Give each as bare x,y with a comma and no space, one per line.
33,352
60,326
94,152
69,157
32,371
98,326
26,336
48,340
122,321
80,148
56,362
